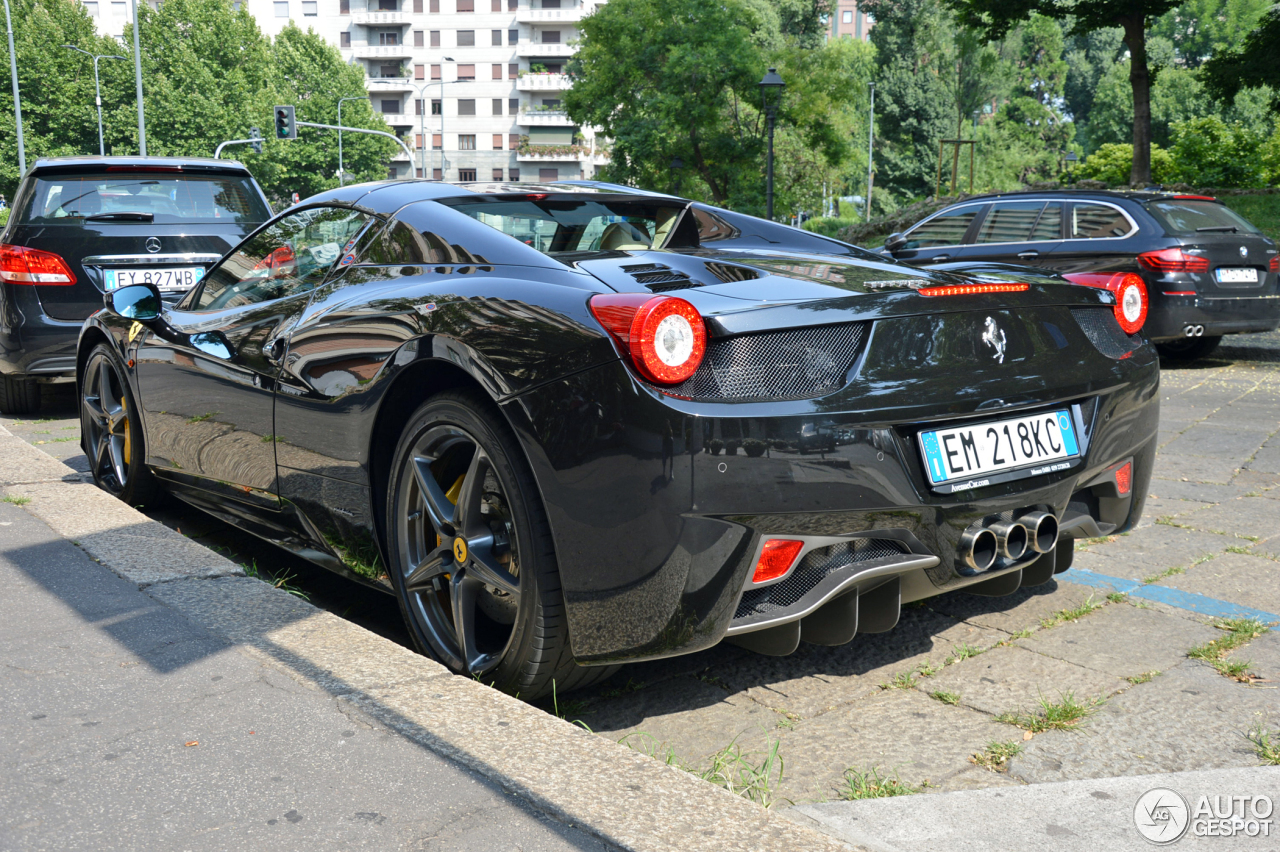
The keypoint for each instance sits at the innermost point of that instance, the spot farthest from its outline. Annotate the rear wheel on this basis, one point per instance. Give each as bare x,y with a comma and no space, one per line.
473,562
1187,348
19,396
112,438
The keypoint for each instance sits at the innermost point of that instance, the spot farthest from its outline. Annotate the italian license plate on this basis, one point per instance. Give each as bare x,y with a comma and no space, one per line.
1243,275
985,453
165,278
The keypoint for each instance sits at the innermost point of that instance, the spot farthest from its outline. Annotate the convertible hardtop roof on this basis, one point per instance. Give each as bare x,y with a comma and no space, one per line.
88,164
1139,195
387,196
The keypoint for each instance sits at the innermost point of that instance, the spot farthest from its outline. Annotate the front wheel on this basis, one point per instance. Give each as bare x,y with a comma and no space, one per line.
111,436
1186,349
472,559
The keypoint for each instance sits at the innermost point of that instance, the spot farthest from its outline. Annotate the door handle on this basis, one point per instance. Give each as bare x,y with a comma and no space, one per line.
274,350
939,258
1027,255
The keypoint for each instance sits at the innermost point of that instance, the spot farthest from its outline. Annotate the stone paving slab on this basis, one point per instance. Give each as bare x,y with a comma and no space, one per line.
22,463
1207,492
1195,469
1247,580
1150,551
1263,656
1228,442
1022,610
1168,508
1122,640
1188,718
1012,679
1243,516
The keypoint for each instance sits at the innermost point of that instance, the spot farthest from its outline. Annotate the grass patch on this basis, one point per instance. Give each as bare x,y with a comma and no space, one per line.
963,652
283,583
870,784
996,756
945,697
61,440
630,686
751,775
200,418
1238,632
1022,634
1145,677
1267,748
16,500
1066,714
1235,548
1118,597
1168,572
1086,606
905,680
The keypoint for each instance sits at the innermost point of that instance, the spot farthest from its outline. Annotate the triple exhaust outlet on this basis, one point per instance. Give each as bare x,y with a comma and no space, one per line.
1193,330
980,546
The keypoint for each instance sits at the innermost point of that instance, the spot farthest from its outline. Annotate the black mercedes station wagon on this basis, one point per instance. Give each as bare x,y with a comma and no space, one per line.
82,226
569,425
1207,270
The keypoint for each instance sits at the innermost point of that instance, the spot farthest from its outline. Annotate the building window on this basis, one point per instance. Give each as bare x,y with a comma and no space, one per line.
390,107
496,7
513,5
435,38
466,72
496,71
554,67
387,5
497,141
497,173
117,8
466,106
435,141
309,9
513,175
435,72
466,141
435,175
495,38
417,143
388,70
92,9
419,173
437,107
466,38
417,110
466,175
419,72
344,7
550,36
548,175
466,5
282,8
389,39
513,36
513,141
846,17
344,39
513,70
418,39
497,106
434,7
391,173
551,4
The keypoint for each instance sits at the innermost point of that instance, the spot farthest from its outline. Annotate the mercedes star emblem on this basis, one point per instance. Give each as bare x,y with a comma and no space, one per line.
153,244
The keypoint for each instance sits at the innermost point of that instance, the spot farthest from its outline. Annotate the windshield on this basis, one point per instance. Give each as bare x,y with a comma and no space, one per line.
577,226
145,197
1186,216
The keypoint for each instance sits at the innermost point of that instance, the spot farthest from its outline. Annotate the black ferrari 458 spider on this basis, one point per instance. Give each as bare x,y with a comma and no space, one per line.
570,425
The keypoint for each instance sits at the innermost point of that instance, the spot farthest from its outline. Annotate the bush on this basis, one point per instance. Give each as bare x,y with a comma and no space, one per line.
1112,164
754,447
1270,158
731,447
4,217
1209,152
714,446
830,226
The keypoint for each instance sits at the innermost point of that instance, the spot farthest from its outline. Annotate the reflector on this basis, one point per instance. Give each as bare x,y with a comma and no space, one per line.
775,559
1124,478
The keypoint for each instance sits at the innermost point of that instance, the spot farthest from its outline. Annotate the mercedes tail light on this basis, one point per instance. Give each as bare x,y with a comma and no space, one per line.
1173,260
1130,292
665,336
776,558
21,265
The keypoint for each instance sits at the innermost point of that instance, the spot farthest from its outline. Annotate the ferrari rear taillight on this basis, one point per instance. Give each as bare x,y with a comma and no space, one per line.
665,336
973,289
1130,291
22,265
1173,260
776,558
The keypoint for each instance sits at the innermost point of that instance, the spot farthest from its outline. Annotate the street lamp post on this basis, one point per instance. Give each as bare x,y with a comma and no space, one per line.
443,60
771,93
342,175
422,123
17,101
97,88
137,77
871,138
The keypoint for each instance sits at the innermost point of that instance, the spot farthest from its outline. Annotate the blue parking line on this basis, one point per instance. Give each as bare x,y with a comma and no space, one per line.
1172,597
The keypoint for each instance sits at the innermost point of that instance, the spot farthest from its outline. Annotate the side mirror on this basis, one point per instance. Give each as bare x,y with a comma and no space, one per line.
894,242
140,302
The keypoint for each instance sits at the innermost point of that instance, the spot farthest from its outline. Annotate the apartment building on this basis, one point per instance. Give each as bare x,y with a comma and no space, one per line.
474,87
848,21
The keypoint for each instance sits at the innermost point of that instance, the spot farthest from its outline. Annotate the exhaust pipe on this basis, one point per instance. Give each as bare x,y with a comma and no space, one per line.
978,548
1011,538
1042,529
1199,331
1189,331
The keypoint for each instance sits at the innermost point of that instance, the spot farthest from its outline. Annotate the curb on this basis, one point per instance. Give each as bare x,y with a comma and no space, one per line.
618,795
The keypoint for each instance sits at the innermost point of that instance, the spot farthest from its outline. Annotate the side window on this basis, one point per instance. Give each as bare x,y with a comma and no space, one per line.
1049,227
291,256
1010,222
1097,221
945,229
399,245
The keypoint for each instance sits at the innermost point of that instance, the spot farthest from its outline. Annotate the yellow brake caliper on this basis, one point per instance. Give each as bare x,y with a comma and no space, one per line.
452,494
124,407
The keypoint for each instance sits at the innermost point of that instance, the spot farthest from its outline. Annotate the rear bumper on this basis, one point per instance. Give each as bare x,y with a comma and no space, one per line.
1219,315
33,344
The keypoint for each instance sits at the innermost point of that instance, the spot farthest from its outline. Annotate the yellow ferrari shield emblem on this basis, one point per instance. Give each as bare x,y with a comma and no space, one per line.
459,550
135,330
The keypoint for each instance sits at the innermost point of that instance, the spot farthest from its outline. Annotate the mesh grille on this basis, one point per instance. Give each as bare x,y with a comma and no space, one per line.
729,272
796,364
1100,326
659,277
813,568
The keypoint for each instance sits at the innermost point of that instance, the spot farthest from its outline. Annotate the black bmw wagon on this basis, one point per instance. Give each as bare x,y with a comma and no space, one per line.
1208,271
82,226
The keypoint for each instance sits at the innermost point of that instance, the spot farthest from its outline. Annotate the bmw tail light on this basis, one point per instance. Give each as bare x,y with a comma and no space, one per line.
1130,291
21,265
1173,260
776,558
665,336
1274,266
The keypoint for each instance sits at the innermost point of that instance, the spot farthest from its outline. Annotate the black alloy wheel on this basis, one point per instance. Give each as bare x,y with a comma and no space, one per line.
472,558
1186,349
110,435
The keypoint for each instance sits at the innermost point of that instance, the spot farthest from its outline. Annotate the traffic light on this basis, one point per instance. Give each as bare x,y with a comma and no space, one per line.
256,135
286,127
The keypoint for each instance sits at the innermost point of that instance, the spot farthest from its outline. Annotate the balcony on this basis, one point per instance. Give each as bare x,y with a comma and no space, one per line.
541,50
550,16
545,118
381,51
531,82
552,153
396,119
381,19
388,84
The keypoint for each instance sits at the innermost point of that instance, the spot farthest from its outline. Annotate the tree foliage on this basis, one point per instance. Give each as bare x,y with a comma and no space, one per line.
1252,64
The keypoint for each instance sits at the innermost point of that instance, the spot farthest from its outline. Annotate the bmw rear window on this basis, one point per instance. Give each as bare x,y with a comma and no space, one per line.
160,197
1182,217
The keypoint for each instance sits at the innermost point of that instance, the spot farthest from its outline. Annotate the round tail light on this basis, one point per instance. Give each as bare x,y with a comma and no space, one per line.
664,335
1131,303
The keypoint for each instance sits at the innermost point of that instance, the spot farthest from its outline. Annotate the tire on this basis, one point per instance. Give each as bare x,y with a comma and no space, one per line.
487,574
19,396
115,445
1187,349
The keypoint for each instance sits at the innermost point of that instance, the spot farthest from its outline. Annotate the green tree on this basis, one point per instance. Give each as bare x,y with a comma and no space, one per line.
997,17
1209,152
1199,29
1250,65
